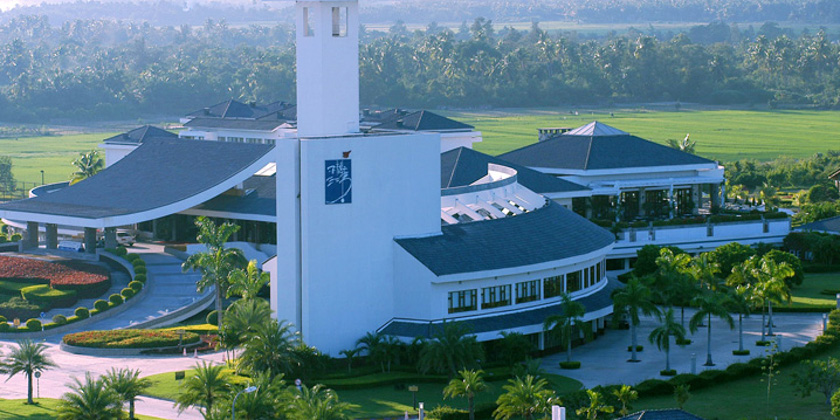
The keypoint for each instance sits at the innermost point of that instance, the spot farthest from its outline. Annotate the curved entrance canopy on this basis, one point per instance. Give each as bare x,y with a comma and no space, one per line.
159,178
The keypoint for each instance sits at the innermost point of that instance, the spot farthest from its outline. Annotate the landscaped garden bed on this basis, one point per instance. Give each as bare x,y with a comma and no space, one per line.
130,339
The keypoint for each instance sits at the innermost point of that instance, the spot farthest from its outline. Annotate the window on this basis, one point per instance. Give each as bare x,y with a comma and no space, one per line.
573,282
308,24
553,286
592,278
527,291
339,21
493,297
615,264
463,300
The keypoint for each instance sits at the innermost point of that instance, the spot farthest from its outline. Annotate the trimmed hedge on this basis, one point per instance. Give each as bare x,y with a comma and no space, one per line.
570,365
140,270
101,305
129,339
59,319
82,312
17,307
47,297
16,237
115,299
212,317
33,324
638,348
745,352
668,372
140,278
136,286
127,293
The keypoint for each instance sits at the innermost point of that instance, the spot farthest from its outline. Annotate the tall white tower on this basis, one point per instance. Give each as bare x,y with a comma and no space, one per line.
327,67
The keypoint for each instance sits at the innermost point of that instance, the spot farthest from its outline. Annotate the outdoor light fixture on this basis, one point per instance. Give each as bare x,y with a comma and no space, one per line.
248,390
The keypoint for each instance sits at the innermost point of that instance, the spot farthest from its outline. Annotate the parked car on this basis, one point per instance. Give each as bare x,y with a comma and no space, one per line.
73,246
125,238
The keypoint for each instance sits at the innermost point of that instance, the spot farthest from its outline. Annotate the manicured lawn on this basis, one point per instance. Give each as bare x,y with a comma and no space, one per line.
724,135
807,295
165,386
52,154
44,410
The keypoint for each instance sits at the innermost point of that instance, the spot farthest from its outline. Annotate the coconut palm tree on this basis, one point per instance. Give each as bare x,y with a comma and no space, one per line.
247,282
128,385
562,324
202,390
772,286
217,262
91,400
661,335
317,403
349,355
671,269
374,345
524,397
28,358
269,401
270,346
87,165
469,384
451,349
596,406
633,300
742,299
710,304
625,395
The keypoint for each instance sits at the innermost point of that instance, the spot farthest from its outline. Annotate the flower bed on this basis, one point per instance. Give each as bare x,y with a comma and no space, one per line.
87,280
129,339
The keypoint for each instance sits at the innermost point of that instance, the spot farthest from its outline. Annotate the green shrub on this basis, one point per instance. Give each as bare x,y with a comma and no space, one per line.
654,387
5,327
138,263
132,339
121,251
3,319
101,305
762,343
127,293
136,286
444,412
33,324
115,299
16,237
742,369
17,307
59,319
140,277
132,257
745,352
47,297
683,342
668,372
140,270
212,318
570,365
82,312
638,348
3,238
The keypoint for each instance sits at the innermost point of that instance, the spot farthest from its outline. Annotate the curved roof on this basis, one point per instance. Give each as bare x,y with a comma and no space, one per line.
160,177
550,233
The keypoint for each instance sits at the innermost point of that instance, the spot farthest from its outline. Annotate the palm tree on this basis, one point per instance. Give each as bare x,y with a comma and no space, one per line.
562,324
128,385
524,398
450,350
91,400
661,335
671,269
241,318
742,299
87,165
349,354
772,286
205,388
28,358
270,346
317,403
625,395
634,300
269,401
469,384
710,304
374,345
247,283
595,407
686,145
217,262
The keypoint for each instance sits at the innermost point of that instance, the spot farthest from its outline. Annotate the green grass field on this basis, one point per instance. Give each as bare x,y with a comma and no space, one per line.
45,409
723,135
807,295
52,154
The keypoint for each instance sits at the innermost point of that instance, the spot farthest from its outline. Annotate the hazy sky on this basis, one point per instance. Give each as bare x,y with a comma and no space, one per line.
8,4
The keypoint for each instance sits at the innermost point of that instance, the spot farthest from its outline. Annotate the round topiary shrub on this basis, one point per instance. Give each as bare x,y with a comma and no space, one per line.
82,312
668,372
59,319
33,325
140,277
744,352
3,238
136,286
5,326
140,270
570,365
212,317
763,343
101,305
638,348
115,299
3,319
127,293
16,237
132,257
121,251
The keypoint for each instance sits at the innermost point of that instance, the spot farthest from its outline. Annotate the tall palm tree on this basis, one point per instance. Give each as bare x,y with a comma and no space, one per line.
87,165
247,282
661,335
772,286
562,324
269,401
469,384
633,300
625,395
270,346
524,397
205,388
28,358
451,349
217,262
671,269
596,406
710,304
317,403
91,400
742,299
128,385
350,354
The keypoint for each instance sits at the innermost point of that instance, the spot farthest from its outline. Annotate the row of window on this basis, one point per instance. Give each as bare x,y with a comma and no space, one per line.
246,140
526,291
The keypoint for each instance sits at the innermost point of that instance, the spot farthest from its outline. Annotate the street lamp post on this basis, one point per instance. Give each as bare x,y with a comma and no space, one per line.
42,177
248,390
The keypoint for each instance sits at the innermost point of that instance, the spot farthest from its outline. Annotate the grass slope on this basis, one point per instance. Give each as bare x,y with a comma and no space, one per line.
807,295
52,154
723,135
45,409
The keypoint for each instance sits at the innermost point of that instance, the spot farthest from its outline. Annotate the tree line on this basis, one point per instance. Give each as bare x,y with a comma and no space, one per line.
96,69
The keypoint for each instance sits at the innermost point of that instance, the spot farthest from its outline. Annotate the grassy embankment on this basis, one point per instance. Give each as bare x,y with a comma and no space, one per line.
52,154
45,409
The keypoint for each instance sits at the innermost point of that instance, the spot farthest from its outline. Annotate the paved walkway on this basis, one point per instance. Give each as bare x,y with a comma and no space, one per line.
604,360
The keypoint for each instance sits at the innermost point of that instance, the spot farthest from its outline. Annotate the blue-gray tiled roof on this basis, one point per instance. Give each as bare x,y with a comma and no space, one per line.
159,172
141,134
506,321
831,224
260,198
550,233
462,166
422,121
